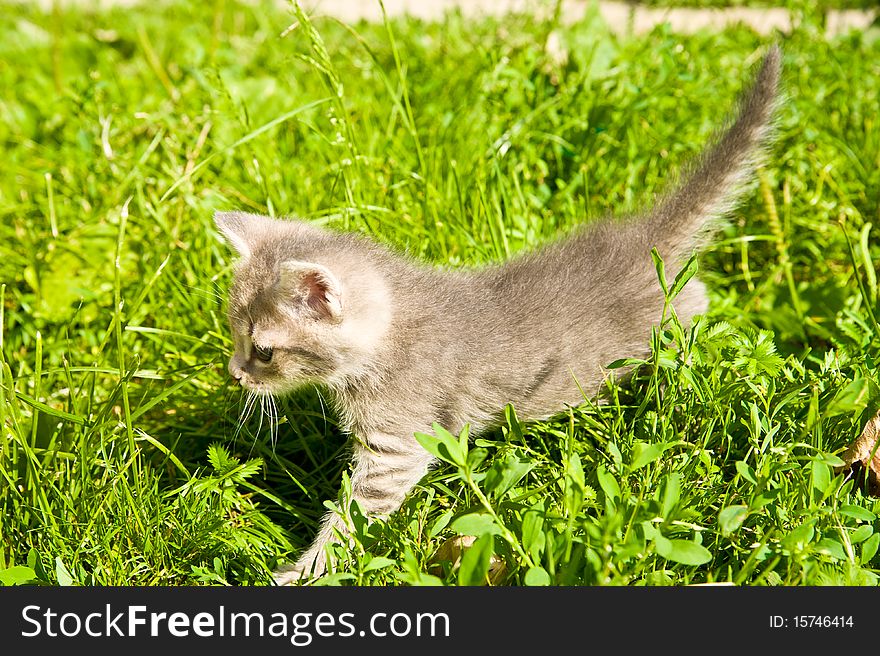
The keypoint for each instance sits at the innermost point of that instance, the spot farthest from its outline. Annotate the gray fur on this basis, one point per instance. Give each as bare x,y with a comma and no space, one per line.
401,345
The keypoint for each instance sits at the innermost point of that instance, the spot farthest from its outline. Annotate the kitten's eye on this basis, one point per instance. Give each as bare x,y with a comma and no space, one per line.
264,353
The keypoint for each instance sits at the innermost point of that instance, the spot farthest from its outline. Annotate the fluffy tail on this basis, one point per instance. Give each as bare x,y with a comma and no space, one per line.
718,179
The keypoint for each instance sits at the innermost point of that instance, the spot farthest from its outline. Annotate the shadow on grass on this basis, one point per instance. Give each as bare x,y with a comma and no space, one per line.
303,455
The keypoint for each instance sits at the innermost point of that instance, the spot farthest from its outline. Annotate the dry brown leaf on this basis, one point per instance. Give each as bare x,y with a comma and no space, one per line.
453,549
864,454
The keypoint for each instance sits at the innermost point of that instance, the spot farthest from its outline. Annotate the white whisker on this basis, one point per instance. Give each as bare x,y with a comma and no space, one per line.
262,414
246,412
275,423
323,409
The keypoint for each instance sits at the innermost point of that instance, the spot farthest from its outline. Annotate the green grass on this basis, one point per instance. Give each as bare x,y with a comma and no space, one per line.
820,5
459,142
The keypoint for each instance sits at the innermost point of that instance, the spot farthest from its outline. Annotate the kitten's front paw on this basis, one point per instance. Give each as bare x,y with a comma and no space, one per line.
290,575
306,569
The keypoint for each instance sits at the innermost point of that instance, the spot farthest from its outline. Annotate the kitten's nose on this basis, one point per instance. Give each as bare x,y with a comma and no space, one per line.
235,371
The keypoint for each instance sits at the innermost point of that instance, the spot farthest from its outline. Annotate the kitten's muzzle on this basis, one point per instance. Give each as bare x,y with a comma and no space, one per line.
235,370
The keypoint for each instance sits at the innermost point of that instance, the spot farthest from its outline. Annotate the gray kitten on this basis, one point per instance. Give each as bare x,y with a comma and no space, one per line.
400,345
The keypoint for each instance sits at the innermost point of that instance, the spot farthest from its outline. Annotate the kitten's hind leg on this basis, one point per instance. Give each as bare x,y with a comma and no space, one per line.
386,468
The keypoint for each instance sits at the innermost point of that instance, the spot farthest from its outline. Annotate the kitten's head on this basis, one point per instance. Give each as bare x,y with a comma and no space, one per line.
299,309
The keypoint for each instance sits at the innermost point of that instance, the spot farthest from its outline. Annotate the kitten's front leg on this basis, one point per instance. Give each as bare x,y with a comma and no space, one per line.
386,468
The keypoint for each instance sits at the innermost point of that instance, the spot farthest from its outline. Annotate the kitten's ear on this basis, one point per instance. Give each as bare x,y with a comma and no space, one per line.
235,228
314,286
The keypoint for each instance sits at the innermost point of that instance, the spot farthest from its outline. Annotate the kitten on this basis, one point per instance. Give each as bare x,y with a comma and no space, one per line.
400,345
